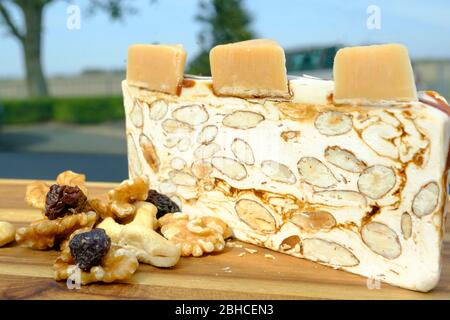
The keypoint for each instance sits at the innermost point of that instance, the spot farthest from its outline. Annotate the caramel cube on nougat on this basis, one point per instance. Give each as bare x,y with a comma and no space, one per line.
156,67
370,74
253,68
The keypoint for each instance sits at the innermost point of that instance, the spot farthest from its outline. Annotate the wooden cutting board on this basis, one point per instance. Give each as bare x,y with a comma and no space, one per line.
27,274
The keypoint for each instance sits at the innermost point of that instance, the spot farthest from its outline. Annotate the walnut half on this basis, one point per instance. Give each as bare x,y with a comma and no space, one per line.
44,234
117,264
195,236
36,192
121,199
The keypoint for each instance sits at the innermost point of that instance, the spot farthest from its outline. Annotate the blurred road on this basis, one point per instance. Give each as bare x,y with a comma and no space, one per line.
32,165
108,138
41,151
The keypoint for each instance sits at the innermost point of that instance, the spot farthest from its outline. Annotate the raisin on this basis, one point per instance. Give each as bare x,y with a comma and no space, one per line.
62,200
162,203
89,248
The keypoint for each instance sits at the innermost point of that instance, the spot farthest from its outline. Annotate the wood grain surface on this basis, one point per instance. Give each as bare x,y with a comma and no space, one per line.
27,274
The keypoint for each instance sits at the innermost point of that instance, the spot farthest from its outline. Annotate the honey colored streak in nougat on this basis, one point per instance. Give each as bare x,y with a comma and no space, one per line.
373,74
254,68
156,67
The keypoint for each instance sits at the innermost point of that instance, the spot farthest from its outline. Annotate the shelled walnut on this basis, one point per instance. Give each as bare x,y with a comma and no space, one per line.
7,233
195,236
116,264
36,192
121,200
73,179
45,234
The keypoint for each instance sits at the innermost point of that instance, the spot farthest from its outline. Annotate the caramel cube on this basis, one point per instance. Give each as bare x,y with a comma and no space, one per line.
253,68
156,67
372,74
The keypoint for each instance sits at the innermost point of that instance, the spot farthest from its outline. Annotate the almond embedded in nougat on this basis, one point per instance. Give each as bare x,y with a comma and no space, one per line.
253,68
156,67
371,74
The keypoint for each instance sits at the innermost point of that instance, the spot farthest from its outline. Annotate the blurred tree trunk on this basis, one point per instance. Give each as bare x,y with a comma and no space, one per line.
31,35
32,48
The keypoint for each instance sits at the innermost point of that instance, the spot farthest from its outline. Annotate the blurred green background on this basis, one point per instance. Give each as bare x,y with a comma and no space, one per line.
62,62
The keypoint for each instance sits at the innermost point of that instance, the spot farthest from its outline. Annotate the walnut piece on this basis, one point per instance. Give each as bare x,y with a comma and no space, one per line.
36,192
117,264
44,234
7,233
121,199
73,179
195,236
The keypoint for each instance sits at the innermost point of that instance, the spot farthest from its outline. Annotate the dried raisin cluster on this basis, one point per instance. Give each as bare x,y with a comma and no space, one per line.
62,200
89,248
162,203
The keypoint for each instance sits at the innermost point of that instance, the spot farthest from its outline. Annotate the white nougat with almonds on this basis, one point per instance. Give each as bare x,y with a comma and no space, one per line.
354,187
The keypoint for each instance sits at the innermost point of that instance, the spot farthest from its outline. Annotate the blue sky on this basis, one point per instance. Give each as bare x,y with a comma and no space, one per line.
423,26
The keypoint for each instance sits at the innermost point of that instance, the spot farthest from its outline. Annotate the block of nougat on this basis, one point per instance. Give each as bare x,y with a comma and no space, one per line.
357,188
253,68
370,74
156,67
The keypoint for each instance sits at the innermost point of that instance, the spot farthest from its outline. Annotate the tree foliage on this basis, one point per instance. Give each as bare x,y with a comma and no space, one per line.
29,32
224,21
117,9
